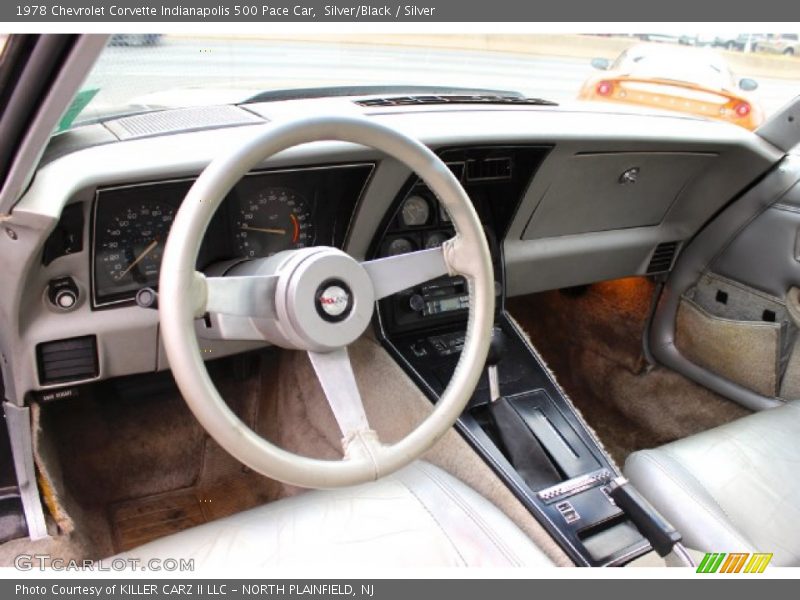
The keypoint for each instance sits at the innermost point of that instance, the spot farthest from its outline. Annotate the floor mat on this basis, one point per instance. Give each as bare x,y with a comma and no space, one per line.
136,522
592,339
140,521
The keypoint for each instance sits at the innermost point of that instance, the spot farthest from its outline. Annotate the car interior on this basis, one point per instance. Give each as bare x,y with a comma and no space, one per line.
394,327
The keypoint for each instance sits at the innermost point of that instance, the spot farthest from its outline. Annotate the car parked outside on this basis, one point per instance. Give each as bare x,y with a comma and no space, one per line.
741,42
135,39
787,44
677,78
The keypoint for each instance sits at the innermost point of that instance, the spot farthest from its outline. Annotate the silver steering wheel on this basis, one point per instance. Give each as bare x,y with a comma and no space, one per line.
319,300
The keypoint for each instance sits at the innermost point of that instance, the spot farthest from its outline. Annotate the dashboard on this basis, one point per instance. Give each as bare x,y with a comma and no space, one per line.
546,183
271,211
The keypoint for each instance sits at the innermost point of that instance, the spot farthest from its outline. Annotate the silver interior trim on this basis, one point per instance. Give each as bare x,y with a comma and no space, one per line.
18,421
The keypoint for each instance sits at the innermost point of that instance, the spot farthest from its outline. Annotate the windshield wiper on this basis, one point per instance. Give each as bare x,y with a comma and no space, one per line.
444,94
453,99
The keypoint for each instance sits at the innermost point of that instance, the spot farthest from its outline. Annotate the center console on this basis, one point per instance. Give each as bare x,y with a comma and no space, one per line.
518,419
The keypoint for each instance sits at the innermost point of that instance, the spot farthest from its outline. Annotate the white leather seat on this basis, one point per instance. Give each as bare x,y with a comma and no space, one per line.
420,516
735,488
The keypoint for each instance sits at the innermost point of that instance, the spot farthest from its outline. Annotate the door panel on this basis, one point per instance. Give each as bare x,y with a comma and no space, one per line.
765,254
725,319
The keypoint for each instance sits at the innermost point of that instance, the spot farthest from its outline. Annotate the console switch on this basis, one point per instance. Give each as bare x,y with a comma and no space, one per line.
448,343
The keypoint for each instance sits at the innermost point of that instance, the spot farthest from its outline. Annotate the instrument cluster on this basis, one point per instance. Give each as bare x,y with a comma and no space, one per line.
421,222
265,213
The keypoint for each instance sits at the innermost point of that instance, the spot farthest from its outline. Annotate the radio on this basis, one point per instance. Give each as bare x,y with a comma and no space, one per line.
439,301
440,296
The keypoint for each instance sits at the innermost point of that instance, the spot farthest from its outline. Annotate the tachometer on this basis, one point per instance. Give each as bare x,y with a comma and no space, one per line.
129,245
275,219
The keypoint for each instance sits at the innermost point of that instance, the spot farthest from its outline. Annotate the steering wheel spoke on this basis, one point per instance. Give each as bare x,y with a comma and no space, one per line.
243,296
396,273
335,374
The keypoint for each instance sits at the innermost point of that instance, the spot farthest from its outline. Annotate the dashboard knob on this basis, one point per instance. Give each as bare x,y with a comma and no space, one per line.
66,299
147,298
416,302
63,293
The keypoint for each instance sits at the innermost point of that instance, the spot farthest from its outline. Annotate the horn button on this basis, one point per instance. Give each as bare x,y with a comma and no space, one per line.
324,299
334,300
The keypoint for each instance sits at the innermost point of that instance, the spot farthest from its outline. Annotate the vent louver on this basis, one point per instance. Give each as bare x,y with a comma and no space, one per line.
487,169
73,359
662,258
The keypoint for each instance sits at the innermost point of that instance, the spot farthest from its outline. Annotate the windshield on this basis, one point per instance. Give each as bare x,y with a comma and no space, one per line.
689,65
741,78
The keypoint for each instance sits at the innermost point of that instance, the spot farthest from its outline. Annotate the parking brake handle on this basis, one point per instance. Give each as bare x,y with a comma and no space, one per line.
665,539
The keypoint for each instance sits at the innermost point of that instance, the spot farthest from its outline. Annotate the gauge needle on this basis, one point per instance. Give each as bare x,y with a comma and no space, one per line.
265,230
139,258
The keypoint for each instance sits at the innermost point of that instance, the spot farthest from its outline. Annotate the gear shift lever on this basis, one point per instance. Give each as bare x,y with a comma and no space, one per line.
496,348
523,450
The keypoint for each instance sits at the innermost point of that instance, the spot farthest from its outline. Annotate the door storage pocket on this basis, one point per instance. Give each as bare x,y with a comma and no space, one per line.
745,352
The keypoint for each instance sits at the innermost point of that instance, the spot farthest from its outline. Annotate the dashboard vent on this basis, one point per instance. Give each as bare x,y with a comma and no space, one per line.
162,122
489,169
663,257
72,359
453,99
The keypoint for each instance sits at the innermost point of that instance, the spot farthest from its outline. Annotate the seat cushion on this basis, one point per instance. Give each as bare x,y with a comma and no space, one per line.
733,488
420,516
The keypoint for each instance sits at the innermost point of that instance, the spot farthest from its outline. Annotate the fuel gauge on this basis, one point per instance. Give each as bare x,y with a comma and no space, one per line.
415,212
436,239
399,245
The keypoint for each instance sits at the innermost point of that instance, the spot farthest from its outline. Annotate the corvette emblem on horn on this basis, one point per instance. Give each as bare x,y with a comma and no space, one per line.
334,300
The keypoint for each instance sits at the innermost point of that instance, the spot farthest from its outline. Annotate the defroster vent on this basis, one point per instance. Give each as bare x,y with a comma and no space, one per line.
193,118
73,359
663,257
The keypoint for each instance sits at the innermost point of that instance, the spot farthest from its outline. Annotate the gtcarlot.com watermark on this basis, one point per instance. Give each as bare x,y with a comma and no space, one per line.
42,562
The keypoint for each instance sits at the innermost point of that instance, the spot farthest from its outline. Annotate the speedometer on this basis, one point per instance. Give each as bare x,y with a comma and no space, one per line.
129,243
272,220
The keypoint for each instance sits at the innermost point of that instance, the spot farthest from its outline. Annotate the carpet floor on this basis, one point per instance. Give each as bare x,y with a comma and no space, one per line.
592,339
128,463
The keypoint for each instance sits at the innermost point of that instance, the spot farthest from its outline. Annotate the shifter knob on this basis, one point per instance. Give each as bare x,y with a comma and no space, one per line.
496,347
